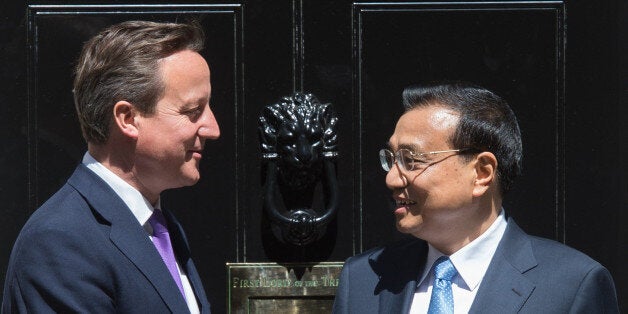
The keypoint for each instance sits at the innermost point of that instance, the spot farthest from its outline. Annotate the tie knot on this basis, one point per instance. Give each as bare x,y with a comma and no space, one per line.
158,222
444,269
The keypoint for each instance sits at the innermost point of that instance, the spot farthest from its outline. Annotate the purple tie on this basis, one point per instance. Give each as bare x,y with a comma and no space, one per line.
161,239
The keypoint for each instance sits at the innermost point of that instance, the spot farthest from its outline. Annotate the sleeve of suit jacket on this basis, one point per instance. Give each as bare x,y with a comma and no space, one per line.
341,299
52,271
596,293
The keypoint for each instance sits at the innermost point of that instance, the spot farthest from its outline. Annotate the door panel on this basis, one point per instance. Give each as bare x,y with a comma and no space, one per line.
515,51
56,35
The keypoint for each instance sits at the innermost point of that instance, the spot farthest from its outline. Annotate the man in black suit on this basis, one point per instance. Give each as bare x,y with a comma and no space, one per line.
102,243
453,156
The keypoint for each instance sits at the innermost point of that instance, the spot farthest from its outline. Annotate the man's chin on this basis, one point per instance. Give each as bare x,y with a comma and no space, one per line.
407,227
193,181
402,228
190,178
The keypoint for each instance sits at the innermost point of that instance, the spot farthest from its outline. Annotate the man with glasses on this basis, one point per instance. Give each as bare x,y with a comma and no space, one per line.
454,154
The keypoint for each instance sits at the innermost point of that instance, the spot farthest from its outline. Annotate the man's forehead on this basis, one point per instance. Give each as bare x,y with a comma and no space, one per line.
445,118
424,128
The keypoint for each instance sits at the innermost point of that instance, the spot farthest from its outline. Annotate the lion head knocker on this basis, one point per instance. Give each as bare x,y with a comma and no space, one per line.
298,141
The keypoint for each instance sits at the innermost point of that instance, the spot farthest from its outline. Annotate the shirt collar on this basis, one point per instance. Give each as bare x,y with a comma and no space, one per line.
137,203
432,255
473,259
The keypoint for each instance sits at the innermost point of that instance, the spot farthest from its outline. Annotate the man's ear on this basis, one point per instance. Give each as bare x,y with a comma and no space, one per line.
125,117
486,172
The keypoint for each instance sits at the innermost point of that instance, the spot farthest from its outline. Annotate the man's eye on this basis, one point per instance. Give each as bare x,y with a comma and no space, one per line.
193,112
415,161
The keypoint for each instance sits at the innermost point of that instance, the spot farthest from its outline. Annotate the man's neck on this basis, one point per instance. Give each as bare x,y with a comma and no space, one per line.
122,165
457,237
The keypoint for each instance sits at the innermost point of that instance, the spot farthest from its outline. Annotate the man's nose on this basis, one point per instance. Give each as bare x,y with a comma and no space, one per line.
394,178
209,126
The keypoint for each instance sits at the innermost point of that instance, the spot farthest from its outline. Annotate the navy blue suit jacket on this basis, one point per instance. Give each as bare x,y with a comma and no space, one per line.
83,251
526,275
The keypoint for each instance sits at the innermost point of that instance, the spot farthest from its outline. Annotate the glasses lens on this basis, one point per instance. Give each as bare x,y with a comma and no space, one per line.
387,159
406,159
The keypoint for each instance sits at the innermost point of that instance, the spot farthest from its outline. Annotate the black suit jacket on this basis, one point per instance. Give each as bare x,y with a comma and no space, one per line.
83,251
526,275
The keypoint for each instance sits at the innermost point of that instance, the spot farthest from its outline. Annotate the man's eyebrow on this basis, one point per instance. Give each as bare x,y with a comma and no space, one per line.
197,102
193,105
410,146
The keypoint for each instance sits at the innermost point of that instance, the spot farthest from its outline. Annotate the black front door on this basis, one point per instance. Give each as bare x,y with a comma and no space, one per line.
560,64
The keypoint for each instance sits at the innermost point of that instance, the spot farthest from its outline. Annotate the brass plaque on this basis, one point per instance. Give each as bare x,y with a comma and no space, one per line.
282,288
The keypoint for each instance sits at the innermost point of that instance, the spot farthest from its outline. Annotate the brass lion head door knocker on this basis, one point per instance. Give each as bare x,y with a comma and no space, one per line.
298,143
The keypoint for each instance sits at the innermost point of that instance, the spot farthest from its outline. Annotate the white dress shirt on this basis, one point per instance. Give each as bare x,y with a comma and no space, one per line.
471,262
142,210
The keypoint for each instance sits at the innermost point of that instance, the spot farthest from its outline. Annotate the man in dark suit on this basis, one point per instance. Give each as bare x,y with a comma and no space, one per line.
102,244
453,155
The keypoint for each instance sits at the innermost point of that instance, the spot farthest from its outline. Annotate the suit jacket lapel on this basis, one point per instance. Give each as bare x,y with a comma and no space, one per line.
504,288
397,303
127,234
398,268
182,251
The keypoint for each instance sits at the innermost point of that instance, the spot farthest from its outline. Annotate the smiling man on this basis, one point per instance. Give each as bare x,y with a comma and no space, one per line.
454,154
102,243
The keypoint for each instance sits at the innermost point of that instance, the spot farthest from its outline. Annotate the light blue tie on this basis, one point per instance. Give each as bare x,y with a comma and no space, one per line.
442,300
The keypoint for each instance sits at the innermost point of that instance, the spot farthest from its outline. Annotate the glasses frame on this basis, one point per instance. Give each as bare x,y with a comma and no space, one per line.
384,153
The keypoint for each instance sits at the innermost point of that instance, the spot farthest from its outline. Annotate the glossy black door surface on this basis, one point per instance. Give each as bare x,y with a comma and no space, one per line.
561,65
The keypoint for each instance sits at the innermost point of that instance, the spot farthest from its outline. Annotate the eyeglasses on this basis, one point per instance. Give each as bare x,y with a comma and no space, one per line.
409,160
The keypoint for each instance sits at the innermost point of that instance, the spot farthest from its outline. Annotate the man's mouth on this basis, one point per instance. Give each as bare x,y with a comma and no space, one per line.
196,153
404,202
402,206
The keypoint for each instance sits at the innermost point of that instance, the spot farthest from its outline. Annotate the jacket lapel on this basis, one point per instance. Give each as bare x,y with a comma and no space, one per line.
397,303
504,288
398,268
182,251
128,236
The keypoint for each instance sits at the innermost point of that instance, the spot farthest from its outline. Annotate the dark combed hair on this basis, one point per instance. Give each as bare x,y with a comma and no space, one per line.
122,63
486,123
